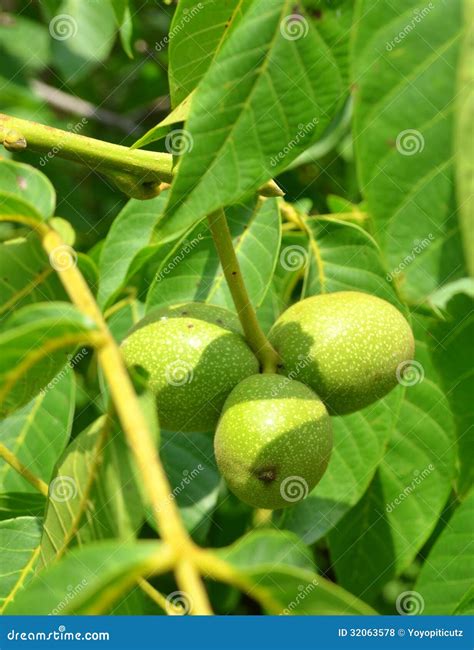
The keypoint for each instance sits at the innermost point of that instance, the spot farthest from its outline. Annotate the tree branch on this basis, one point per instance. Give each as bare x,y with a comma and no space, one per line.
135,426
136,172
254,334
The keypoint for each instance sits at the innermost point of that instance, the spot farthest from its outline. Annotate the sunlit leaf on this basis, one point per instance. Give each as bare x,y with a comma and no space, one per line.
34,347
445,578
403,128
230,152
19,541
81,581
192,270
38,433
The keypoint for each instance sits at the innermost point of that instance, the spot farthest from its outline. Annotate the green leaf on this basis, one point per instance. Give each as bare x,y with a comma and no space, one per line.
453,355
343,257
122,320
19,541
93,495
119,7
448,571
30,185
20,37
405,499
134,603
34,345
124,21
84,34
191,469
130,233
12,204
201,27
278,565
87,579
264,100
466,606
334,24
208,23
192,270
464,136
179,114
403,129
288,273
126,33
443,296
26,275
269,547
334,134
21,504
38,433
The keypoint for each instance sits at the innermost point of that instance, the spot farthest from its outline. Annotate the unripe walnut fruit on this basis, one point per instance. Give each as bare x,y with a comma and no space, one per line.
195,355
273,441
347,346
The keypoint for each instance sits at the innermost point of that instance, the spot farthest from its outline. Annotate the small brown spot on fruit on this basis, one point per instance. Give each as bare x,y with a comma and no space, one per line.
266,474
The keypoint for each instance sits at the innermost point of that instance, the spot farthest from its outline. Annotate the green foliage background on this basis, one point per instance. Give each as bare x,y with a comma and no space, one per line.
382,185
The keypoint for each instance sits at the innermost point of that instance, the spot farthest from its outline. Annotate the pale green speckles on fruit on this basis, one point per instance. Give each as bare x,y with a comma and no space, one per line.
199,310
346,346
273,441
195,356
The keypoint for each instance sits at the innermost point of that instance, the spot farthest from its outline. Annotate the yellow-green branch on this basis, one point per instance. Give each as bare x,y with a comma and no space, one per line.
138,173
134,424
136,430
218,569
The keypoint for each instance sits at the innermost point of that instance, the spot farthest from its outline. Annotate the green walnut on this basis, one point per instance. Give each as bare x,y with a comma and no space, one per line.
195,355
273,441
347,346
